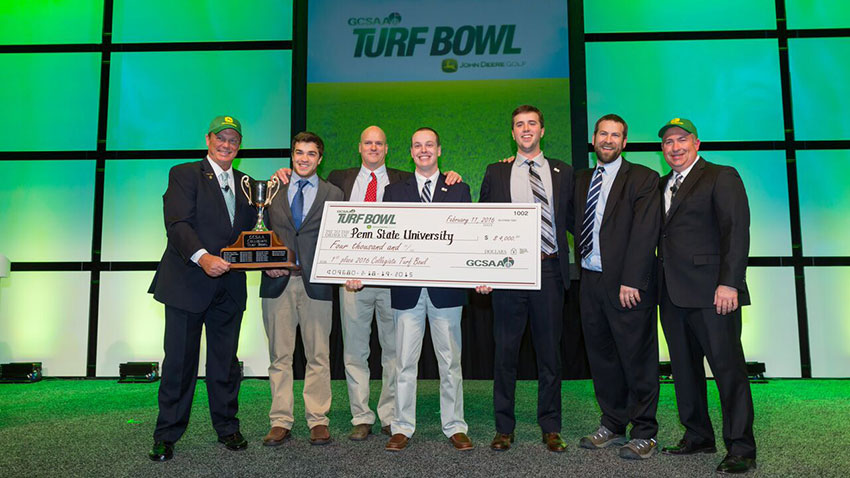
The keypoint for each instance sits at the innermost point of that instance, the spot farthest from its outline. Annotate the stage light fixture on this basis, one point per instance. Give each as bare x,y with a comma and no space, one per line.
138,372
20,372
755,372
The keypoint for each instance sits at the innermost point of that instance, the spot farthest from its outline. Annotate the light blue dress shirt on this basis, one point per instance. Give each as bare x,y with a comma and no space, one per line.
310,190
593,261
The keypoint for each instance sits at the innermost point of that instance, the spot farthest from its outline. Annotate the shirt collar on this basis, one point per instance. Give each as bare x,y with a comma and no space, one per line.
537,160
687,171
312,180
380,171
421,179
217,169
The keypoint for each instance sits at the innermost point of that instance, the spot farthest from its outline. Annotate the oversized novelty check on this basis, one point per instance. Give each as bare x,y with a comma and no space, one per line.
430,244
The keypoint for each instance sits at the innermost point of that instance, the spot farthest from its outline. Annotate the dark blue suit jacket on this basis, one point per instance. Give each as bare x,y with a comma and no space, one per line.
404,298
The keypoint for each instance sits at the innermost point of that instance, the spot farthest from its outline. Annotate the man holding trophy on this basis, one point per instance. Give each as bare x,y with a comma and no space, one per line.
290,300
202,215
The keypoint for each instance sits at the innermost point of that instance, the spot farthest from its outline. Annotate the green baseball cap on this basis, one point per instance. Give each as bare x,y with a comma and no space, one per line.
683,123
221,123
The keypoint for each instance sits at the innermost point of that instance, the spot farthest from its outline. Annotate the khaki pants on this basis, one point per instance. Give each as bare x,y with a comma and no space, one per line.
281,316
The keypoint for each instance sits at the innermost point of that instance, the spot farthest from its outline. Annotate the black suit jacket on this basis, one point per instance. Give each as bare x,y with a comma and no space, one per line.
301,241
628,235
404,298
705,236
496,187
344,178
196,218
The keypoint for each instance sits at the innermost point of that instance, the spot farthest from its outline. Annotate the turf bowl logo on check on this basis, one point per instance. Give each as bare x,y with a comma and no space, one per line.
505,263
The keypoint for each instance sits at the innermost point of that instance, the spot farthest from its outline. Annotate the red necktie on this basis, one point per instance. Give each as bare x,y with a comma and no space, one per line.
372,190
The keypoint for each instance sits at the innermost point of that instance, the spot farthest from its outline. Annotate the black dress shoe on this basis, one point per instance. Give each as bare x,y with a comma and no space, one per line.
687,448
234,442
736,464
161,451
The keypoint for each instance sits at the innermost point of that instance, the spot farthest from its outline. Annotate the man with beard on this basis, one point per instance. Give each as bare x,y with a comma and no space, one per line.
532,178
618,214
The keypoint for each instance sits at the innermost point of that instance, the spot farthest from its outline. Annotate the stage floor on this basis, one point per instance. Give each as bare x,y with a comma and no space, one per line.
102,428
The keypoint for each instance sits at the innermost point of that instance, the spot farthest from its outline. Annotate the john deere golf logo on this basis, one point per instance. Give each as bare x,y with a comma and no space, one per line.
676,121
506,263
449,65
228,120
393,18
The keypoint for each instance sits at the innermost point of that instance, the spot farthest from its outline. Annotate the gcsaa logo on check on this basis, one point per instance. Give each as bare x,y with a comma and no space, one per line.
507,262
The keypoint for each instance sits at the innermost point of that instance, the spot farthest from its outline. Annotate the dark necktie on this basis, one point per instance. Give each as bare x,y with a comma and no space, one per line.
426,192
586,244
298,204
677,183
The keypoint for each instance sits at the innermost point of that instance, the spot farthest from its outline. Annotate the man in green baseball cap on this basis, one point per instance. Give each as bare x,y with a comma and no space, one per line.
703,250
221,123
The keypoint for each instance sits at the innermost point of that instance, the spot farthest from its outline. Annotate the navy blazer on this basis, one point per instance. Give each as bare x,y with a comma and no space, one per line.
196,218
496,187
404,298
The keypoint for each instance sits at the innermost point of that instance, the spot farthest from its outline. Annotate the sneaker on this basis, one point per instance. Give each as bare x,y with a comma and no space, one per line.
639,449
601,438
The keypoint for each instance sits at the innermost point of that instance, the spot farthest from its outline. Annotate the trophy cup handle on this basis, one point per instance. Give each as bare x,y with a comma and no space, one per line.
246,187
274,185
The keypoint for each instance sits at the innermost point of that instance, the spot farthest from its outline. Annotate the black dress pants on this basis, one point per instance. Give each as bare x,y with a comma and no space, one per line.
223,319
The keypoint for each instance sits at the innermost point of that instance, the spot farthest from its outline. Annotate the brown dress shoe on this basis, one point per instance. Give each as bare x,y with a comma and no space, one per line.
554,442
461,441
397,442
276,436
360,432
386,431
502,441
319,435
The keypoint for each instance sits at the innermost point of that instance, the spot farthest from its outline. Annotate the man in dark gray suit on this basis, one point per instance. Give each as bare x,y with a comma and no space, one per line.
704,247
290,300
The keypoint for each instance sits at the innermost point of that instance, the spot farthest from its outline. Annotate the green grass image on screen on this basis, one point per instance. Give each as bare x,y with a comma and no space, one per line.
472,118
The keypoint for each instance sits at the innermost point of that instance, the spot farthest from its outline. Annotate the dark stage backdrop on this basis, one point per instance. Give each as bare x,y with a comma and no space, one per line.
102,97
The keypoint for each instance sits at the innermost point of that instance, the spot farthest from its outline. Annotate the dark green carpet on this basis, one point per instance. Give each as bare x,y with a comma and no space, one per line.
101,428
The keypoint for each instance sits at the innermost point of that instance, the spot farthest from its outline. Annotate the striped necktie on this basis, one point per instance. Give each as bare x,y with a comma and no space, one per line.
425,196
586,245
677,183
229,197
547,231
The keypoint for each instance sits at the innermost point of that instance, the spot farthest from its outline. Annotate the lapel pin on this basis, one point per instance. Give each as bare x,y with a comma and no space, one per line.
444,190
557,170
209,175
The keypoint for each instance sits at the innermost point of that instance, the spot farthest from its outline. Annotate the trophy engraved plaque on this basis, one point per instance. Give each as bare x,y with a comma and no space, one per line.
259,248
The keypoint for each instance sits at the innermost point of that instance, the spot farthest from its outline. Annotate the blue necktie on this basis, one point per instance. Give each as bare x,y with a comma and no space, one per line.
586,245
229,198
297,205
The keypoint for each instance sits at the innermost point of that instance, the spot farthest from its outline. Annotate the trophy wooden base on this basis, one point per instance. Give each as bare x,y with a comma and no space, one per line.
258,250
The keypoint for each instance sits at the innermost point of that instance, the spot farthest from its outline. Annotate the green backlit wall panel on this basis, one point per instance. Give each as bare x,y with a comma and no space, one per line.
817,13
46,210
30,22
131,325
765,179
53,99
689,15
820,87
829,320
823,178
723,86
44,318
133,228
165,100
201,21
769,325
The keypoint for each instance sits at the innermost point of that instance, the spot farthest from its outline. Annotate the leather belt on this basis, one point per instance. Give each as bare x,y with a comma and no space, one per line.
544,256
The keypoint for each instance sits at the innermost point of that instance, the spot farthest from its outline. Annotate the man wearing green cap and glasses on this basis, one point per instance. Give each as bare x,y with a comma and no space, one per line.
703,250
202,214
